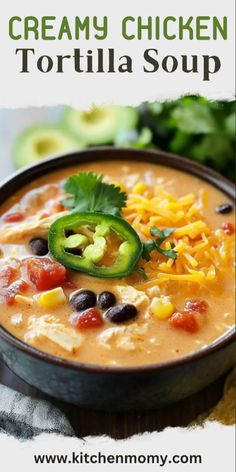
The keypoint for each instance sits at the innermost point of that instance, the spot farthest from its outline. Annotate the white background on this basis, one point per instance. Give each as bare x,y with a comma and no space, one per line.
214,442
82,90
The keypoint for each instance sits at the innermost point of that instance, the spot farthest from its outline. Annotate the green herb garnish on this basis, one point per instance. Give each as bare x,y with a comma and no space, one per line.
142,272
155,245
194,127
89,193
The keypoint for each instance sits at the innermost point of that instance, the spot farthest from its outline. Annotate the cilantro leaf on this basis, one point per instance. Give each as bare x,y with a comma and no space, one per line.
171,253
88,192
155,245
148,247
230,126
142,272
213,148
161,234
194,117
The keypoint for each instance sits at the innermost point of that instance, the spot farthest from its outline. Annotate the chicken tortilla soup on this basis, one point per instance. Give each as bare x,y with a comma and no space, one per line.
117,264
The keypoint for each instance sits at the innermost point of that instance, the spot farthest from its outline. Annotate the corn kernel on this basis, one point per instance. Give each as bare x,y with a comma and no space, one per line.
52,298
162,308
140,188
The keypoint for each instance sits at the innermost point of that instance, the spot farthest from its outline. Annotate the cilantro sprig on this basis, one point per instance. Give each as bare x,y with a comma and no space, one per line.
155,245
88,192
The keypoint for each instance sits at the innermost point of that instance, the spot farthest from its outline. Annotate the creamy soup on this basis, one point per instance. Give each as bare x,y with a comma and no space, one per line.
177,299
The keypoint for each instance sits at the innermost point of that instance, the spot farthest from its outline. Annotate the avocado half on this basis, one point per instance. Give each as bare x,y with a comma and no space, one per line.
40,142
100,125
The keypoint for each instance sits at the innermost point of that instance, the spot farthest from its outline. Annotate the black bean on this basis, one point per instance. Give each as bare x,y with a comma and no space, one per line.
39,246
224,208
106,300
121,313
83,299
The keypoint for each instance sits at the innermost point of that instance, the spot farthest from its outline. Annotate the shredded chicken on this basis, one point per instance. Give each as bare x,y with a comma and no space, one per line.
123,337
28,229
109,334
36,198
131,179
50,327
128,294
17,319
10,261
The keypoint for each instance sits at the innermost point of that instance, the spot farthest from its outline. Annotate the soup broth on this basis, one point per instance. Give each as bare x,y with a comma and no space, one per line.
180,303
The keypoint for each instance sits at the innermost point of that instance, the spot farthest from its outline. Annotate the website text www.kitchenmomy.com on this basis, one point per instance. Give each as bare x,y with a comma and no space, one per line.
99,458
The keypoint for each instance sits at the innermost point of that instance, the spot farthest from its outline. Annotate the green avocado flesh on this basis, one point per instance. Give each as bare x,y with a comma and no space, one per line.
40,142
100,125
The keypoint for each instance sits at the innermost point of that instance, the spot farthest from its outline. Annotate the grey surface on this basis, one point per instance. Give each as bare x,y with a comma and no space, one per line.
12,123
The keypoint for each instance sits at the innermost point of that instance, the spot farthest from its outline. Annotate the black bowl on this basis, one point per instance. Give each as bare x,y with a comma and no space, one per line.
110,388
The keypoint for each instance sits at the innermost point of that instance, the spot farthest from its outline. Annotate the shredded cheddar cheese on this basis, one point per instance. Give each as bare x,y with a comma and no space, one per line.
201,250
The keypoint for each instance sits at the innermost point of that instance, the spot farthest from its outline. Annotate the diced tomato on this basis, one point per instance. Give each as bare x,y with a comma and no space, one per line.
7,276
90,318
44,215
16,288
13,217
196,305
59,207
228,228
68,285
186,321
45,274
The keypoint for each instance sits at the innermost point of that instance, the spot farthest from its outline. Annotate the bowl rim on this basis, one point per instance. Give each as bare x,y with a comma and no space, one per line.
20,178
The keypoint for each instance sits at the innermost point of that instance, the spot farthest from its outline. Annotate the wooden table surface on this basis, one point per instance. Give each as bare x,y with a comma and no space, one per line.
121,425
